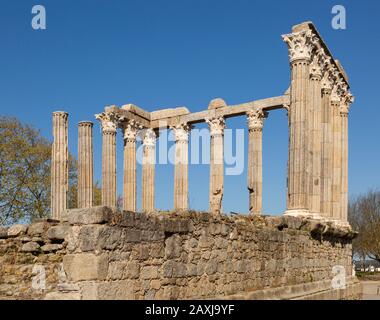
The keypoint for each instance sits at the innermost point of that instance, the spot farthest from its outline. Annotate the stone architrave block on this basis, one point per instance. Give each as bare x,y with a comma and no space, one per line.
96,215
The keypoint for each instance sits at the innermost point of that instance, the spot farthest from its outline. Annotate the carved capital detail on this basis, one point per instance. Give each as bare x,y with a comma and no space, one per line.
335,97
109,121
256,119
300,44
181,132
347,100
340,92
61,114
149,138
317,64
130,130
216,125
327,82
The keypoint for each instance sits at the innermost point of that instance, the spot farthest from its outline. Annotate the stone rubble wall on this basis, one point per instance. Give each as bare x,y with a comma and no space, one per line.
107,254
23,251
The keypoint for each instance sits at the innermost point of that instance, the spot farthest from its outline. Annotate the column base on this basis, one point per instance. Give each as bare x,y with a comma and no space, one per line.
255,213
340,223
317,216
298,213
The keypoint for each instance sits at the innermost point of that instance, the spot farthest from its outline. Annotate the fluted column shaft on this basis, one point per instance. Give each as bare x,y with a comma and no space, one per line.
302,46
217,126
337,160
344,190
347,100
315,129
85,165
109,169
255,160
298,188
327,153
148,170
181,184
109,124
59,165
130,130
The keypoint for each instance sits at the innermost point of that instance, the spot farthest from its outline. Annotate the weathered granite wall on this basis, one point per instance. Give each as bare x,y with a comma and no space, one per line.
111,255
26,252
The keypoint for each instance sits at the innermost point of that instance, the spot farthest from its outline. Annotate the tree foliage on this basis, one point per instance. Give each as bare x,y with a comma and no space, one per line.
25,162
364,216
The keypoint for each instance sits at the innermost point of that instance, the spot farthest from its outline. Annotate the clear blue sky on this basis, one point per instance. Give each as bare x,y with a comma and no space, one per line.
161,53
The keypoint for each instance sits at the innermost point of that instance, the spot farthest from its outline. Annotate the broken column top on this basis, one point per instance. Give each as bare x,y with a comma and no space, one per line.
60,113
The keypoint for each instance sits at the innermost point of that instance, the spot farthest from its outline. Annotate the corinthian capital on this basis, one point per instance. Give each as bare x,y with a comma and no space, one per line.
130,129
347,100
109,121
149,138
315,68
327,81
216,125
256,119
300,44
181,132
335,97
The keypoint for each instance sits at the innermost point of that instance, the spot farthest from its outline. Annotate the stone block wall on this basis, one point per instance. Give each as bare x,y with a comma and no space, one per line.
25,253
100,253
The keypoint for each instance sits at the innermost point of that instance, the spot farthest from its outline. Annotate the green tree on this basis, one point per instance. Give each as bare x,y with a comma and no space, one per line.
25,162
97,194
24,172
364,216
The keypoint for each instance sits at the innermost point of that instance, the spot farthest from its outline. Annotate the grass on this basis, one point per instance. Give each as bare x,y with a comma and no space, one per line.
368,275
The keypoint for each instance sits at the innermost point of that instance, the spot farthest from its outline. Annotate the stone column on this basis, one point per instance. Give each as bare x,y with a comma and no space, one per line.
181,184
347,101
85,165
255,160
337,156
109,124
327,147
148,172
300,46
59,165
315,131
130,130
217,126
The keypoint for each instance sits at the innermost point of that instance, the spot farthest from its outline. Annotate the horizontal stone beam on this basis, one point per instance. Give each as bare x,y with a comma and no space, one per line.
130,115
137,110
226,112
171,117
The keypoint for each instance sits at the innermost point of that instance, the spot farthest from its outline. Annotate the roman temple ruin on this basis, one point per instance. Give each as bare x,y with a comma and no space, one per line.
317,102
111,254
